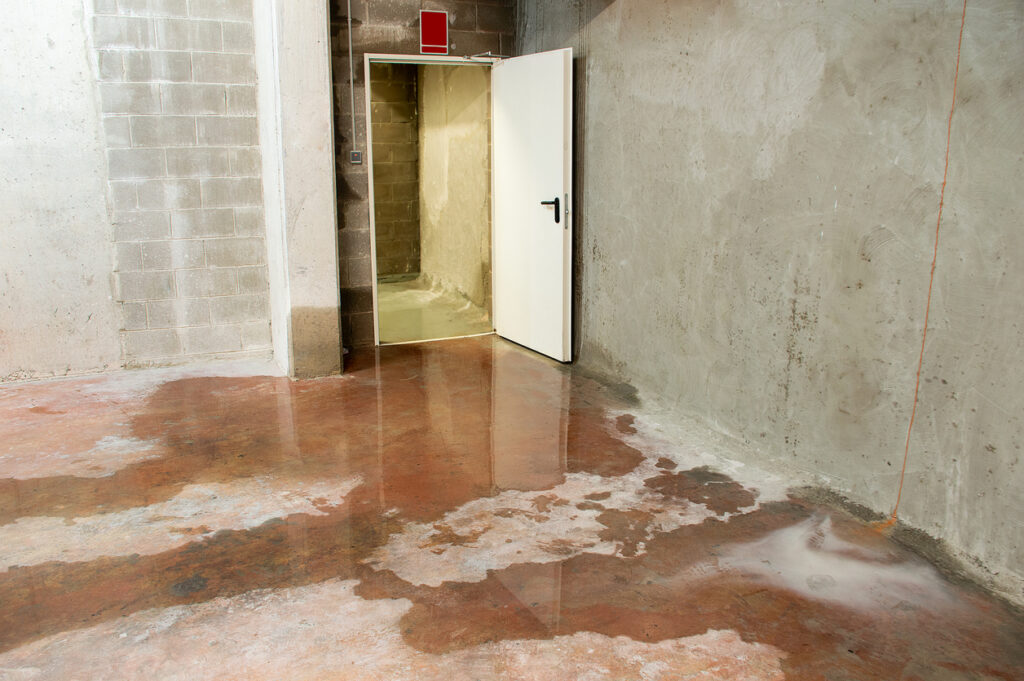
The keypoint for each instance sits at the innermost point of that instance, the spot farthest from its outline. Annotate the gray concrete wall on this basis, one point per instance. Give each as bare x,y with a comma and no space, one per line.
177,92
57,315
396,190
455,179
295,133
758,185
387,26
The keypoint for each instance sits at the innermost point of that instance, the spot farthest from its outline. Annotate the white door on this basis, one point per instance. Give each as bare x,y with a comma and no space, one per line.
532,176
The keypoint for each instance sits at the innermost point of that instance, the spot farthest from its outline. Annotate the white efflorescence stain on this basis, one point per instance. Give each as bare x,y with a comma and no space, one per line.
539,527
325,631
108,455
811,560
196,512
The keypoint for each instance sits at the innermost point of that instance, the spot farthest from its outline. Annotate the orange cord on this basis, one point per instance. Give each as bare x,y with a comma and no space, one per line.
935,256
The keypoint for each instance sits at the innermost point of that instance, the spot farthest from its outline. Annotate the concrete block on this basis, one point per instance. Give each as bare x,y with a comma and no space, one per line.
111,65
213,67
158,66
395,172
156,255
392,12
494,17
237,10
391,91
253,280
201,340
356,272
153,344
170,193
362,329
198,162
473,42
229,191
133,316
461,15
104,6
186,254
355,243
355,215
123,196
178,313
187,98
245,162
188,34
249,221
235,252
394,133
256,335
242,99
128,257
231,131
205,283
197,223
136,163
404,153
176,255
144,285
403,112
117,131
381,114
392,211
381,154
154,8
234,309
123,32
129,98
384,38
238,37
163,131
141,226
355,300
339,12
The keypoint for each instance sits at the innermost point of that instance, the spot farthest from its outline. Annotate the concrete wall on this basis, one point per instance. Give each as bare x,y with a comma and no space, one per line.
396,175
455,179
387,26
296,133
758,188
57,315
178,97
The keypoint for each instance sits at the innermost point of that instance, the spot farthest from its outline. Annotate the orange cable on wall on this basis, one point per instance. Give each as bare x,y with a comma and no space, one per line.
931,281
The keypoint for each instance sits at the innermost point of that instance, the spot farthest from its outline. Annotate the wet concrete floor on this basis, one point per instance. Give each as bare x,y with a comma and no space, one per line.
453,510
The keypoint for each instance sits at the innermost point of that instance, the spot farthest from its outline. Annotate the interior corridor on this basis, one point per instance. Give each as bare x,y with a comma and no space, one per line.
454,510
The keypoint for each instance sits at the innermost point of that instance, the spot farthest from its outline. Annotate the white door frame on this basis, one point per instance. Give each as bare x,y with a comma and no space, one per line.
369,59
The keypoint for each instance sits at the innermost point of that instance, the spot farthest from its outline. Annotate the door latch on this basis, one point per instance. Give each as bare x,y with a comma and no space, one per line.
556,202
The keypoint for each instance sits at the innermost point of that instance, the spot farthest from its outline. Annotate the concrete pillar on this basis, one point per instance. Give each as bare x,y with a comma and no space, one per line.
297,138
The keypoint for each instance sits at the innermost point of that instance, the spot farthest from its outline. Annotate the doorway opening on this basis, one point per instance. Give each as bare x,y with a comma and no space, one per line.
429,127
473,236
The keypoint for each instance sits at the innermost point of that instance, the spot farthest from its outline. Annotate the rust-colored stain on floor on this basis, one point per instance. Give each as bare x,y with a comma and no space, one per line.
455,510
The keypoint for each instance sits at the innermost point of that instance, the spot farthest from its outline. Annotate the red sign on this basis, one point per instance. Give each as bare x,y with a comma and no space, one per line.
433,32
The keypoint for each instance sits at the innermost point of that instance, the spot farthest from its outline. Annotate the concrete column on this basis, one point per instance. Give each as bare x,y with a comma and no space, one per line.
297,137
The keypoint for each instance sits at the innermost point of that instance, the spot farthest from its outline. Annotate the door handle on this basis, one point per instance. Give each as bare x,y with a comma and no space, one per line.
556,203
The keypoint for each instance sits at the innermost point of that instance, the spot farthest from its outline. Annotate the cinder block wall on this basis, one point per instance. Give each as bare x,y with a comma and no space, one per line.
393,89
178,99
387,26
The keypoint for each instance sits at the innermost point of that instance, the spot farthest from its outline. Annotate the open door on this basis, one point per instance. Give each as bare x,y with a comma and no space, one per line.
532,196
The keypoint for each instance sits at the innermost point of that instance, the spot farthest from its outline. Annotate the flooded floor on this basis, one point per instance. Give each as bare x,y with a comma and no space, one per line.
458,510
409,311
